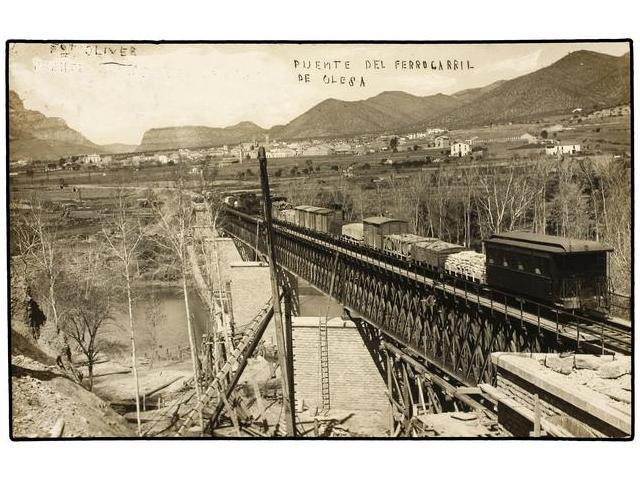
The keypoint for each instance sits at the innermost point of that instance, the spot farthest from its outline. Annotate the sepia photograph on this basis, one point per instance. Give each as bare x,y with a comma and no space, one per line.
332,240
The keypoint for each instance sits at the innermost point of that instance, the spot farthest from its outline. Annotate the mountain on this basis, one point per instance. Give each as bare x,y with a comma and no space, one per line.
34,136
387,111
118,148
583,79
198,136
470,94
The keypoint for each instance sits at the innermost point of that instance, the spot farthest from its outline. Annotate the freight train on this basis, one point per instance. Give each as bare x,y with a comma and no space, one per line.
569,273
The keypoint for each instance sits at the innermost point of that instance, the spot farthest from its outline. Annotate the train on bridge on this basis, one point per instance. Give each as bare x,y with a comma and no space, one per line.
569,273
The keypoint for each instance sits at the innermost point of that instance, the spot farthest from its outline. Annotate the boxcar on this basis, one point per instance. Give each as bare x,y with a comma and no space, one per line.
327,220
563,271
303,219
434,253
375,228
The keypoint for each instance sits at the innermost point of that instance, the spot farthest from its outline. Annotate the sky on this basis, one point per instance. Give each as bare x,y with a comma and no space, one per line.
113,93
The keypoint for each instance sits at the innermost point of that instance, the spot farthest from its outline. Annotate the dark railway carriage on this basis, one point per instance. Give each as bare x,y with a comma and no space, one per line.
563,271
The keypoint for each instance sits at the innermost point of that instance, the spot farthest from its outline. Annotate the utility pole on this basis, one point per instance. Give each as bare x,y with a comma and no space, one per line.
284,351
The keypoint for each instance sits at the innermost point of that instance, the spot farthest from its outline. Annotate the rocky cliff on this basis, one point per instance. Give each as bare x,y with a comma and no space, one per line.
34,136
197,136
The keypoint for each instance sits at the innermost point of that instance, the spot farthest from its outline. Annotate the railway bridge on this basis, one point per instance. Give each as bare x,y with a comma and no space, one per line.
422,329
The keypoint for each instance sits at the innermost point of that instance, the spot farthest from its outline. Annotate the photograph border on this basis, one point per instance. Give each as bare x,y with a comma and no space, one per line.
629,41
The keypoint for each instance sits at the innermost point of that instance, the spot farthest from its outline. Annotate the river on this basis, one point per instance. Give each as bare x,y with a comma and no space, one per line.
171,326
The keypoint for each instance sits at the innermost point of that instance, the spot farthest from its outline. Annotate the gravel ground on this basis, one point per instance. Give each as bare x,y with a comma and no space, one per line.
41,395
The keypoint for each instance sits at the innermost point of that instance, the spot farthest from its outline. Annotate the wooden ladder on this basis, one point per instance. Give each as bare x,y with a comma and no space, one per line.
324,347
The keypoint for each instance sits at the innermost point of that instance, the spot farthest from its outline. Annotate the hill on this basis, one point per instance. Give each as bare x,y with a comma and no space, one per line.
583,79
388,111
34,136
471,94
198,136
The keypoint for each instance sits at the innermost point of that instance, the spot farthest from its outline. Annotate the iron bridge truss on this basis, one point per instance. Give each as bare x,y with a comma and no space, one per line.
450,324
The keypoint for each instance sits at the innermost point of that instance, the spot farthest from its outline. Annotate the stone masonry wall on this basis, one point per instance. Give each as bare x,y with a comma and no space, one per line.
250,291
354,381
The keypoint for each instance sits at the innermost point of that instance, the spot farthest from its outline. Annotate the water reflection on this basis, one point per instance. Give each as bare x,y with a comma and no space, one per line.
166,306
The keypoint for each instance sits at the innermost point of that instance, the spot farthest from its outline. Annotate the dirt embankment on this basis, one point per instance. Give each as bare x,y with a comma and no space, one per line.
45,402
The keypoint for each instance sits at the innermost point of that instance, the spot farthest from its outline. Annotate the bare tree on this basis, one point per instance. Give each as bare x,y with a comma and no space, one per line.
83,321
469,181
503,200
155,317
175,221
615,178
42,250
123,236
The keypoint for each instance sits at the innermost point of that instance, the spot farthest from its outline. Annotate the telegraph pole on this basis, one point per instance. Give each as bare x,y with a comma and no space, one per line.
284,350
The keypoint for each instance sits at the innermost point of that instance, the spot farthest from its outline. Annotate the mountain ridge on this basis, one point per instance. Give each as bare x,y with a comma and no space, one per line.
583,78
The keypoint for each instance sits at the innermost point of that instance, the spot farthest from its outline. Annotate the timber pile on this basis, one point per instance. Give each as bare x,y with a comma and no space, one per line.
287,215
401,242
354,231
468,264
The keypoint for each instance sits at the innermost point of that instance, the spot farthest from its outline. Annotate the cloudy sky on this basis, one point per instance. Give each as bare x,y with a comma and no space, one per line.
113,94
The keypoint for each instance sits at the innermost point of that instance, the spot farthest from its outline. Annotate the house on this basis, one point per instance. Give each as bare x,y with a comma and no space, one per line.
162,159
91,159
527,137
563,149
281,152
317,151
417,135
554,128
442,141
342,149
460,149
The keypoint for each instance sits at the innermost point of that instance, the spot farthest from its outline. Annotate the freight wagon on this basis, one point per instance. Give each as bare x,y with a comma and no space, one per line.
375,228
401,243
434,253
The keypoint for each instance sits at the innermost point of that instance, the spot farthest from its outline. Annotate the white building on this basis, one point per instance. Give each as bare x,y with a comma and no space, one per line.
417,135
317,151
460,149
563,149
281,152
91,159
